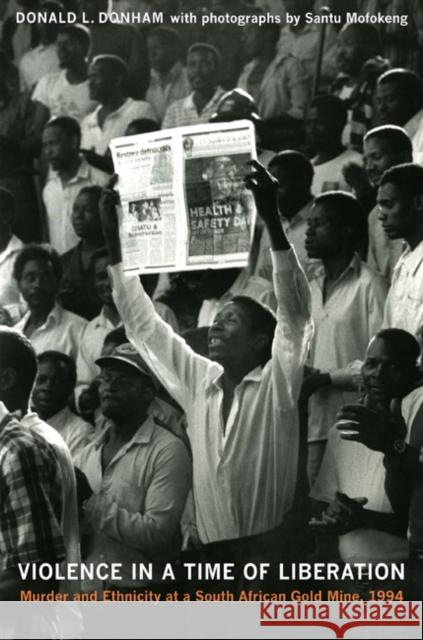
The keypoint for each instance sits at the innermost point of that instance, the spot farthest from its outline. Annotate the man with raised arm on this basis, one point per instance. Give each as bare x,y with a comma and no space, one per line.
241,404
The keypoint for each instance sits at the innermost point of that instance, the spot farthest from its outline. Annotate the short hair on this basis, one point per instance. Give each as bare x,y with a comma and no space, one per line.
68,125
7,203
144,125
409,83
403,344
170,36
262,321
207,48
332,106
368,34
92,190
396,136
115,65
345,210
60,358
17,352
294,162
39,252
79,33
407,177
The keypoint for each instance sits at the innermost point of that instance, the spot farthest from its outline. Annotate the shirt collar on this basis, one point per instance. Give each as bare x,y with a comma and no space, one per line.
189,100
354,266
142,436
413,257
252,376
54,317
82,173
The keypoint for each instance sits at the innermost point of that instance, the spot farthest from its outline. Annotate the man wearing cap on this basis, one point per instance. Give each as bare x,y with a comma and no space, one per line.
241,405
140,475
203,62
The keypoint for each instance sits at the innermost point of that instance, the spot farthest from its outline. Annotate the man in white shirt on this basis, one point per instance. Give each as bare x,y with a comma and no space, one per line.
400,200
38,271
52,391
203,62
168,76
383,147
326,119
107,80
241,405
399,100
69,173
66,92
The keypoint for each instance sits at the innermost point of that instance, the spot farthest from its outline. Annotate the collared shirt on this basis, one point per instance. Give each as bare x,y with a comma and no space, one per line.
59,198
75,432
404,305
328,176
295,230
284,87
36,64
244,471
137,499
303,45
9,292
32,497
353,469
383,253
164,90
182,113
62,331
254,287
94,136
62,98
351,314
69,516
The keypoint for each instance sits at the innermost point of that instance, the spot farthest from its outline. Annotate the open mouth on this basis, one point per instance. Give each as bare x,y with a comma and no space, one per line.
216,342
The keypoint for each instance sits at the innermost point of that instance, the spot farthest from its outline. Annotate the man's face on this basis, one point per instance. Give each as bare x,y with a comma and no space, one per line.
102,281
323,236
230,338
391,104
52,388
384,376
58,147
201,70
349,52
38,284
320,128
99,81
68,50
161,54
396,212
378,156
85,216
121,391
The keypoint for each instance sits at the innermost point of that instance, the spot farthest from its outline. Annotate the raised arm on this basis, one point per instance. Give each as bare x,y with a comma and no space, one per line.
178,368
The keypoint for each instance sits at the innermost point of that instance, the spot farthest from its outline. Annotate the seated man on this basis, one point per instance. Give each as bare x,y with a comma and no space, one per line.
38,271
241,405
368,529
277,83
53,389
140,475
78,291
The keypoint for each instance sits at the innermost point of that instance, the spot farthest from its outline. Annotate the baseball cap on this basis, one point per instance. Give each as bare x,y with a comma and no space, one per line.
236,104
128,354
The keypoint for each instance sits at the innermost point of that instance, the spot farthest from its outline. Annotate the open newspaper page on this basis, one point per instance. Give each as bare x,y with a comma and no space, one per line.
183,196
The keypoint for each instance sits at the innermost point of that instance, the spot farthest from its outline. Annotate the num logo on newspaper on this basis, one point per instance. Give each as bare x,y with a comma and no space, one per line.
339,617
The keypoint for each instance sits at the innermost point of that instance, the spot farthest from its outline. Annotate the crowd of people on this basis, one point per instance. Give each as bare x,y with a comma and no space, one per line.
267,414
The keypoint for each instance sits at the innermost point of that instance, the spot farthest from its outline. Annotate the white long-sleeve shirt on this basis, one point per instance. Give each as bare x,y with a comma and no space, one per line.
244,475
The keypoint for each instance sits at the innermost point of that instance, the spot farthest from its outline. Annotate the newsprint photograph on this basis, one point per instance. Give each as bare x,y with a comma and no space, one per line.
211,319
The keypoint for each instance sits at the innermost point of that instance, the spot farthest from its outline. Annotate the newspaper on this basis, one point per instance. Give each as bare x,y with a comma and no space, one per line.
184,202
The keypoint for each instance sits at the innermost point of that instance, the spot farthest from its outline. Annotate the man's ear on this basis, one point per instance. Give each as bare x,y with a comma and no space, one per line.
8,379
